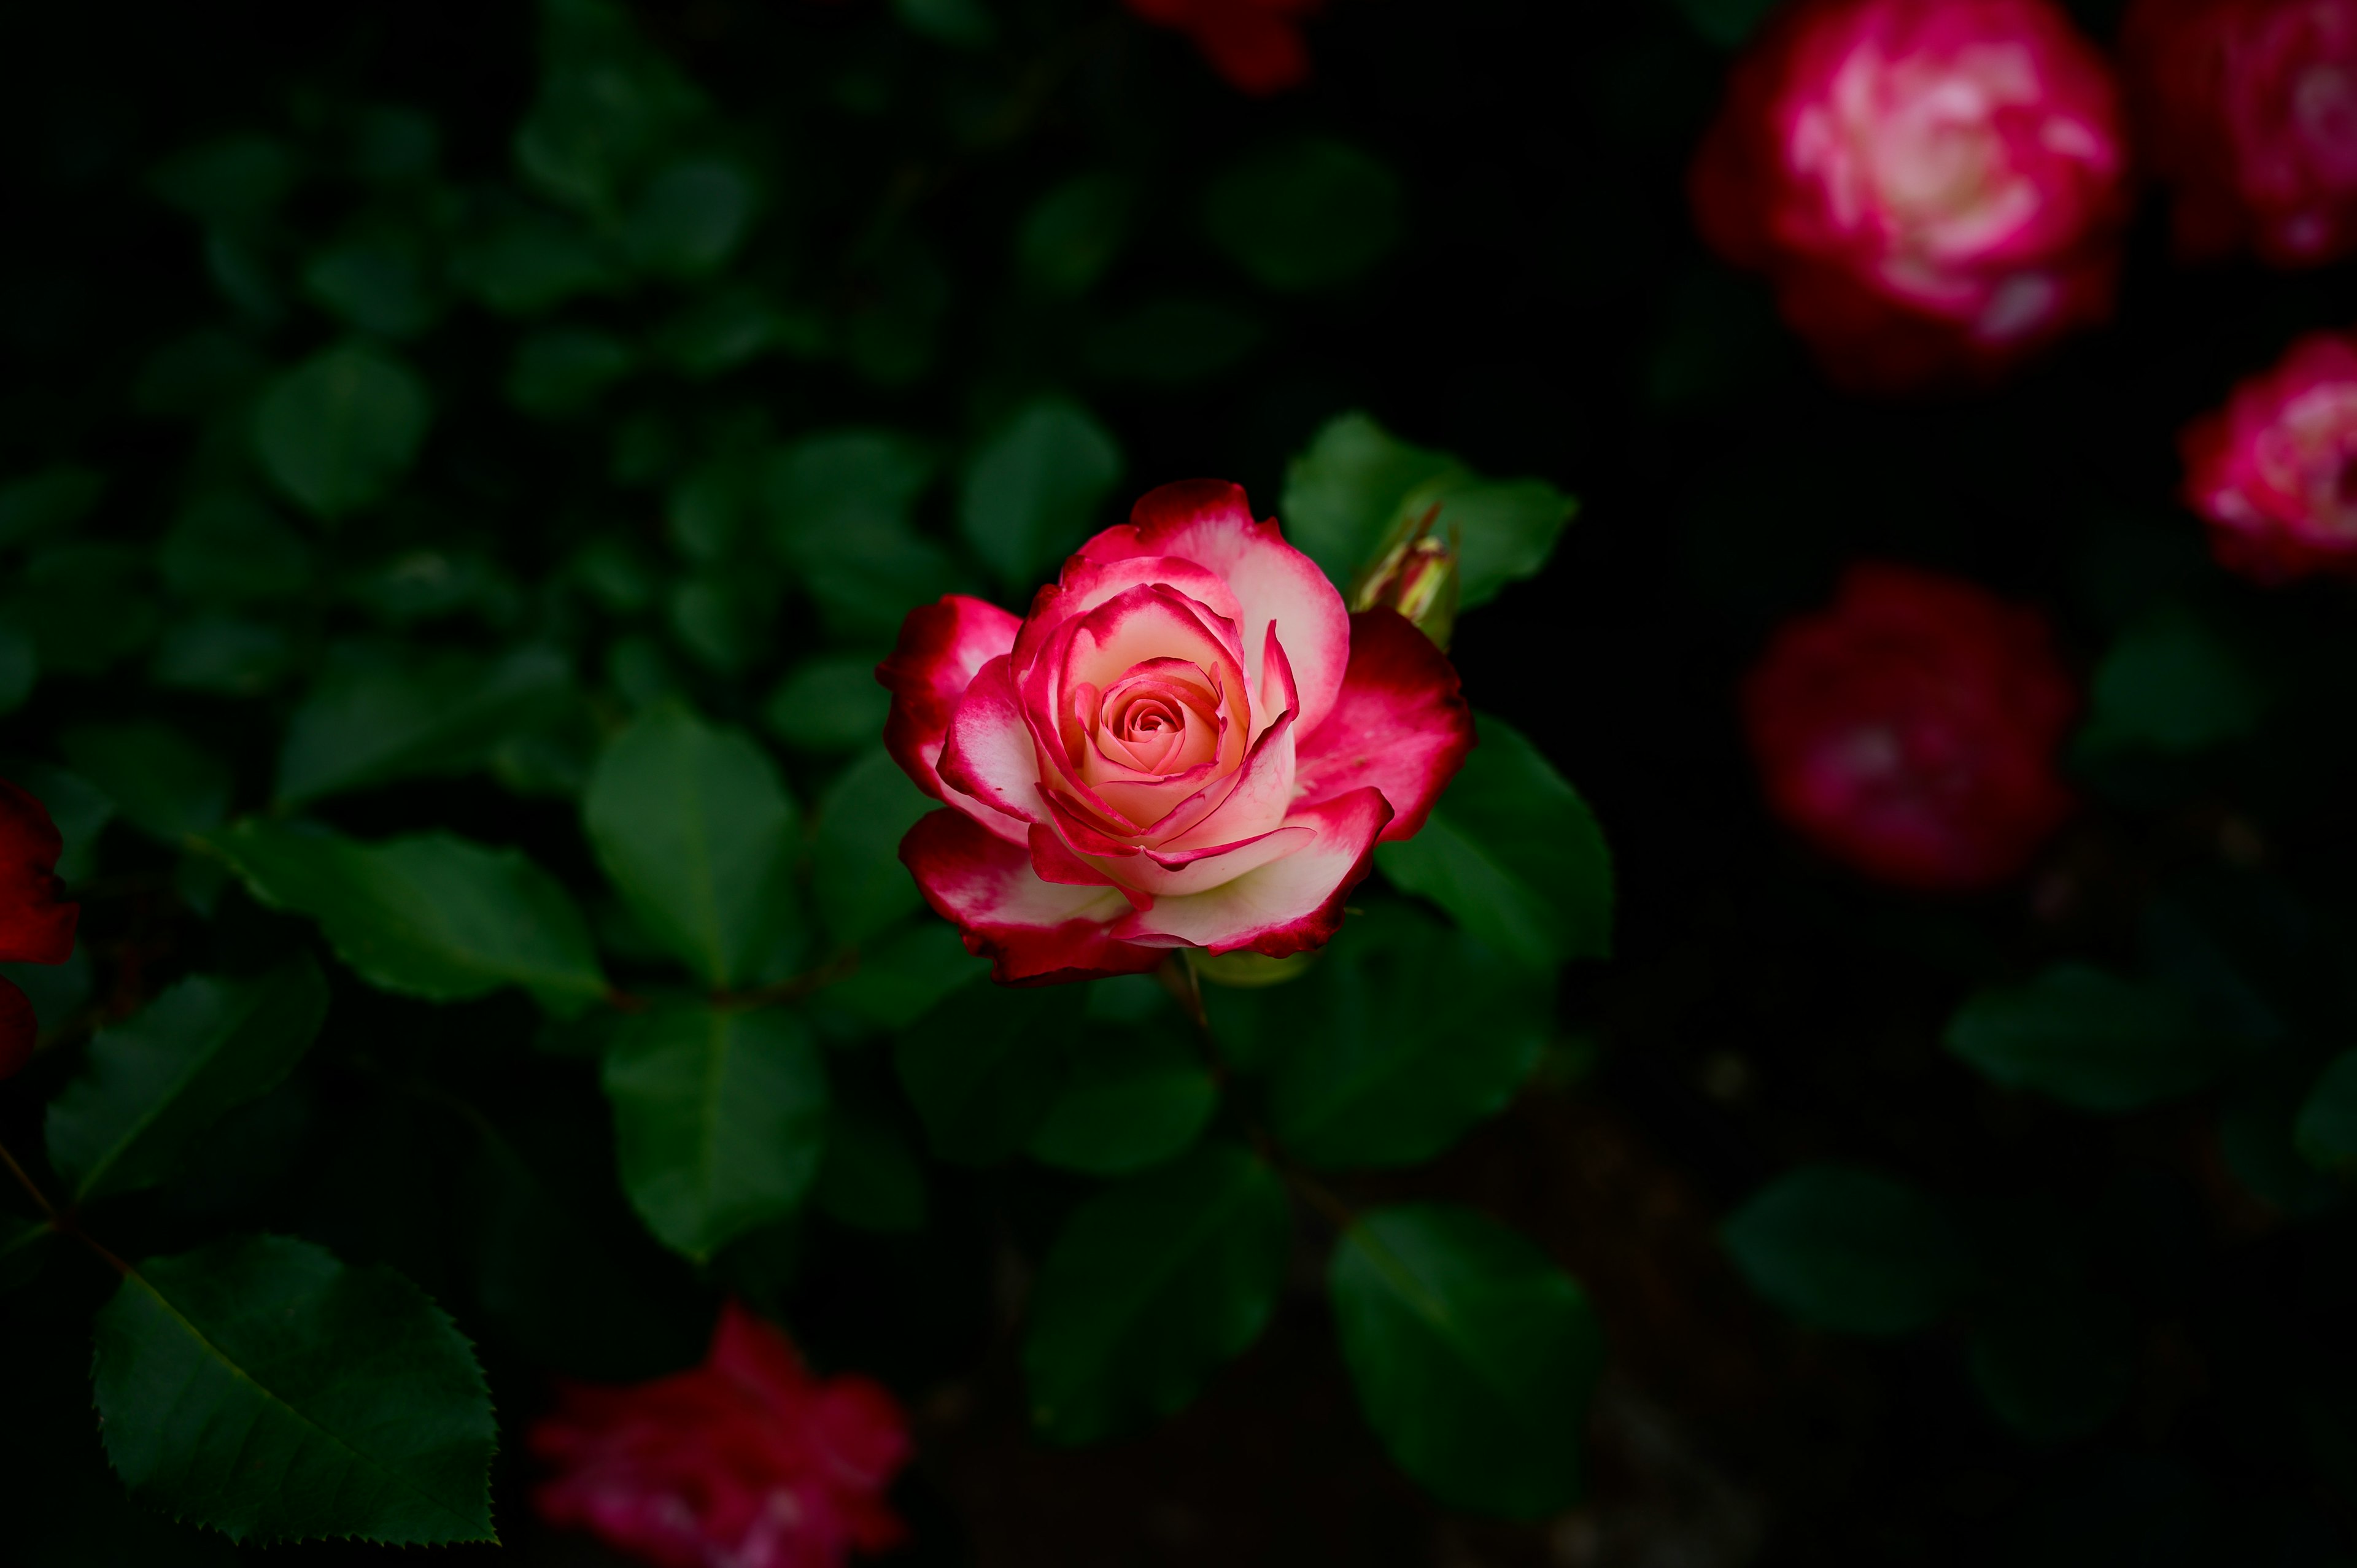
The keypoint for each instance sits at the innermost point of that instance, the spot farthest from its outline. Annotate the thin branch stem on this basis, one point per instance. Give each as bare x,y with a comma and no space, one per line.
63,1224
48,1211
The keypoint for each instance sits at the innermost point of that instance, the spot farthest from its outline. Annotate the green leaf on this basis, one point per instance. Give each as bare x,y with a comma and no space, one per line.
2089,1039
19,663
1403,1036
856,877
1132,1097
1072,234
693,827
378,284
1357,482
524,262
721,1120
429,916
48,502
839,506
85,606
562,370
231,548
1512,852
1306,214
261,1387
871,1180
24,1247
161,782
2053,1364
1849,1249
829,704
2327,1129
904,974
156,1082
983,1070
339,430
225,654
235,179
1150,1288
375,716
690,217
2173,684
1474,1357
603,114
1032,490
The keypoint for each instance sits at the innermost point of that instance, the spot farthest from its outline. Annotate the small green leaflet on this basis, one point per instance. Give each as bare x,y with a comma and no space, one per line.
856,877
2089,1039
721,1118
983,1070
156,1082
1034,488
430,916
1849,1249
693,827
374,717
1512,854
1133,1096
1151,1286
339,430
261,1387
1475,1357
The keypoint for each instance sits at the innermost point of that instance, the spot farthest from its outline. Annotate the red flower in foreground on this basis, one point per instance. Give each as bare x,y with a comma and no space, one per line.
745,1461
2275,472
1188,743
1935,185
1256,44
2249,109
1910,730
36,925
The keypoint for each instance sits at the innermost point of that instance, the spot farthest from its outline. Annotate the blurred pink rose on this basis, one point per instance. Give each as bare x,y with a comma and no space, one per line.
37,926
1188,743
1910,730
2249,109
745,1461
2275,471
1936,186
1254,45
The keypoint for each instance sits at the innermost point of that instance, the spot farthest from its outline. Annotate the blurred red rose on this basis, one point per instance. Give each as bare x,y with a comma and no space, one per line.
1909,731
1935,185
745,1461
36,925
2248,108
1254,44
2275,471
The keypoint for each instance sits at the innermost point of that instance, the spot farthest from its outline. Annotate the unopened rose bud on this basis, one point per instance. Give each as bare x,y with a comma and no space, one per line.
1416,575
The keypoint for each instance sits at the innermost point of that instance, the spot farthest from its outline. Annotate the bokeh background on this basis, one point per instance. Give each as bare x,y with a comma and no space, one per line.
1471,223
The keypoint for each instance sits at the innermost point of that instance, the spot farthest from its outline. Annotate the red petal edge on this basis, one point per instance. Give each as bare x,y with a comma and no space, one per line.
36,925
943,646
1034,932
1401,725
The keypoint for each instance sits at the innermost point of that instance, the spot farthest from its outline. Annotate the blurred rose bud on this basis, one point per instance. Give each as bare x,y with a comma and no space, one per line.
2275,472
1909,731
1935,185
2248,109
746,1460
1254,45
1415,574
37,926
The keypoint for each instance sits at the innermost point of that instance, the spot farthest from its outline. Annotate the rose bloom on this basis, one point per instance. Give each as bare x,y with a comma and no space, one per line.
2249,109
1935,185
1910,730
745,1461
1188,743
1254,45
36,925
2275,471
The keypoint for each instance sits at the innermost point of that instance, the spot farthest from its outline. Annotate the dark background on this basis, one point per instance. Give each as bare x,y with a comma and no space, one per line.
1547,312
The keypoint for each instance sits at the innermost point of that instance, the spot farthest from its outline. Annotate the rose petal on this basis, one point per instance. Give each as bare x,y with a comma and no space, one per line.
1053,860
1208,522
1286,906
989,762
1401,726
36,925
1034,932
1084,584
942,647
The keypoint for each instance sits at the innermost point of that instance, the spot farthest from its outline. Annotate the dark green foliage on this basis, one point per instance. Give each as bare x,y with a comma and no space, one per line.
1849,1249
262,1388
2089,1039
1151,1286
1473,1354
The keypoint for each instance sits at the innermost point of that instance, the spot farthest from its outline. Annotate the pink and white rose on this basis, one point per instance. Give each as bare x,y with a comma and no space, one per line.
1188,743
2275,471
1936,186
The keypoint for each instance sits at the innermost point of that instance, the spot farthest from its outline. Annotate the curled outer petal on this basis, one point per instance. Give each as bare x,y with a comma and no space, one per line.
943,646
1034,932
1285,907
1400,723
